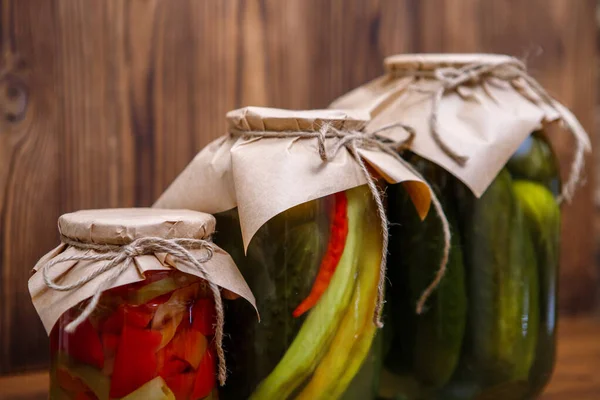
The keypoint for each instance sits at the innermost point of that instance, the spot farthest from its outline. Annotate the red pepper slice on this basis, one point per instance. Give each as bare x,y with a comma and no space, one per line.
188,345
110,342
135,362
335,249
203,316
84,345
136,316
181,385
205,380
171,367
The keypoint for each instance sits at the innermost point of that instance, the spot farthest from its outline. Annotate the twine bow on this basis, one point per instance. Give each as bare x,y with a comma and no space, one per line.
509,71
119,258
353,141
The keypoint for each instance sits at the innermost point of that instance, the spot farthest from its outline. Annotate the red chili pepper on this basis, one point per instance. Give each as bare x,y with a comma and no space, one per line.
135,362
203,316
84,345
335,249
205,375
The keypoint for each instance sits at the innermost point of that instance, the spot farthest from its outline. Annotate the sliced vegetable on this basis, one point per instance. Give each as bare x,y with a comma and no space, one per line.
205,375
84,345
135,363
203,316
68,382
182,384
156,389
152,290
169,329
356,331
305,352
178,303
171,367
188,345
138,317
93,379
335,248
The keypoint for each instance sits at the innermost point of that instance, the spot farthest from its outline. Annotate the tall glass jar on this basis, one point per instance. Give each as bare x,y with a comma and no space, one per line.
314,270
146,340
488,331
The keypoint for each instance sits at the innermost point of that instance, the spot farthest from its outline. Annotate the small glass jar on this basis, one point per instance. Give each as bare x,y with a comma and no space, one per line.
314,270
130,301
488,331
151,339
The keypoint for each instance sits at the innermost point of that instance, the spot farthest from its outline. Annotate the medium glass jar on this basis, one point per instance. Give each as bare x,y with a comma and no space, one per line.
488,330
314,270
149,340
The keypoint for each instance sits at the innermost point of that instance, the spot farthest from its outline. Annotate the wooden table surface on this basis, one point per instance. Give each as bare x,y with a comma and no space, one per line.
576,377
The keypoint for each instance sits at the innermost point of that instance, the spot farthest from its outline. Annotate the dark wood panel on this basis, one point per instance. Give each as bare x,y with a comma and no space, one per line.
103,103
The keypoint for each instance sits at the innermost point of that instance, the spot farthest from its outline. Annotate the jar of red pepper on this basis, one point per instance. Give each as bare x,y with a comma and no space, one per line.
132,302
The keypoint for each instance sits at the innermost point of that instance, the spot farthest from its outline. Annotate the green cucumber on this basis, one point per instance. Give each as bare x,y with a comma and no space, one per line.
543,216
282,262
535,161
502,286
438,333
305,352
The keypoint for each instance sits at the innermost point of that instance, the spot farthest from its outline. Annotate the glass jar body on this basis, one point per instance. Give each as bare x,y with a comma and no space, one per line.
313,270
488,331
146,340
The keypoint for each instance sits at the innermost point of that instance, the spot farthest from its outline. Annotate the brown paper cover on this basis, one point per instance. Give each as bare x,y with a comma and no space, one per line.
264,177
122,226
485,121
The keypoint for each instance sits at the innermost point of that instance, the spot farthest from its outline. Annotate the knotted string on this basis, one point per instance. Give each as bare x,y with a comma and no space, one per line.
353,141
119,258
508,71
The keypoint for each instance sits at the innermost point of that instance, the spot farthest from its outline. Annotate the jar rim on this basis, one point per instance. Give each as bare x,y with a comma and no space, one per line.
431,61
123,225
277,119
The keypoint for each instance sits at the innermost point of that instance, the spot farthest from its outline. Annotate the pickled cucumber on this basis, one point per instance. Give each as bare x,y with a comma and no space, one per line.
282,262
535,160
502,286
438,333
543,217
322,322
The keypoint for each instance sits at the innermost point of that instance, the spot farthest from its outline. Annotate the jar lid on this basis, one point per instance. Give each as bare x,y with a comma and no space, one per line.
276,119
124,225
428,62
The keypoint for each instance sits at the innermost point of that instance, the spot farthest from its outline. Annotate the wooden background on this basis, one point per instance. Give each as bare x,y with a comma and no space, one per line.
103,103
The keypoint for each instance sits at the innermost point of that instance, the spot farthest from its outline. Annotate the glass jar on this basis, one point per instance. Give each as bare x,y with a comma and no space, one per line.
149,340
314,270
488,330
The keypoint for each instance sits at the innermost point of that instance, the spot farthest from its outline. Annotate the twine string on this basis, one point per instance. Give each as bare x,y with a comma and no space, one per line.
117,259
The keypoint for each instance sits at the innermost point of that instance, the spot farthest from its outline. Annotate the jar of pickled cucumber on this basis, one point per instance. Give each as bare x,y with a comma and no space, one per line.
314,269
131,315
488,329
297,213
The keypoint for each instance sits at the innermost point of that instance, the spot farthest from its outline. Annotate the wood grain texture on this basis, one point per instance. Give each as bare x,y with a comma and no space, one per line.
103,103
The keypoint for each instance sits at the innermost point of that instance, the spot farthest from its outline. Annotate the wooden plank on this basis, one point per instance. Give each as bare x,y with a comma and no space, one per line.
557,39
